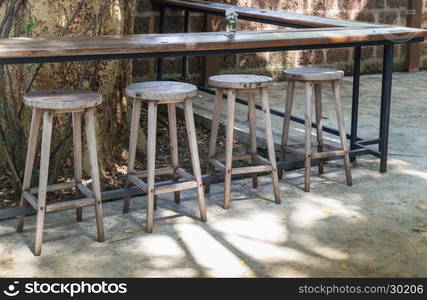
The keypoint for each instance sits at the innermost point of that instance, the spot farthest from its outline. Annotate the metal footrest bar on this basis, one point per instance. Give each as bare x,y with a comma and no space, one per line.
138,182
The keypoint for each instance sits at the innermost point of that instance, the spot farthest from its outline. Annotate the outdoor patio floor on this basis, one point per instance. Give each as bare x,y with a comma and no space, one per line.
377,228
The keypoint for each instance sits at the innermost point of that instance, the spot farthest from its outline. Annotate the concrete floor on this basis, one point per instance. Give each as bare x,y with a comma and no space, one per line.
377,228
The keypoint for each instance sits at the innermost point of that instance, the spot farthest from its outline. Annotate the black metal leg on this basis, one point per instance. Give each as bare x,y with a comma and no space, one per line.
355,101
385,104
161,30
184,58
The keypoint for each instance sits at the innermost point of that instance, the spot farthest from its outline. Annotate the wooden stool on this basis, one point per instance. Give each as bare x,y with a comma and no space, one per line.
313,79
170,93
249,84
46,104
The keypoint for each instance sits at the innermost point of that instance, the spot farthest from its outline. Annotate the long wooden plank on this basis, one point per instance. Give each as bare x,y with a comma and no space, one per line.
203,41
277,17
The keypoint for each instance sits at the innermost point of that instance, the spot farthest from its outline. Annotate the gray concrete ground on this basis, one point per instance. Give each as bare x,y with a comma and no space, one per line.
377,228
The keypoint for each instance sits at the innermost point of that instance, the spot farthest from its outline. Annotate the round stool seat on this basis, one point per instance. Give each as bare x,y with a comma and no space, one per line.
62,99
240,81
314,74
161,91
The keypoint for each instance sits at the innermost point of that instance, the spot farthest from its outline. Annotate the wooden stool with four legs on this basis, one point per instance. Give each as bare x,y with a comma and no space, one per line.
250,84
45,104
313,78
170,93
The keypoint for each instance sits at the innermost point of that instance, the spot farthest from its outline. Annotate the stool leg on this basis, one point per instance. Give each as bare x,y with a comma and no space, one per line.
195,161
252,130
287,122
93,157
214,133
43,178
174,143
29,163
134,126
319,122
308,120
270,144
341,127
231,101
151,162
77,144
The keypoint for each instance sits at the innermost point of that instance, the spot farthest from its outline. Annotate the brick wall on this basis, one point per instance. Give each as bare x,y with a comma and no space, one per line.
380,11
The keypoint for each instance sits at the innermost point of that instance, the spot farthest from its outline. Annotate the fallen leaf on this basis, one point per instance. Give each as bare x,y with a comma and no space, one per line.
179,239
327,212
325,117
242,262
403,231
344,266
61,179
128,231
422,201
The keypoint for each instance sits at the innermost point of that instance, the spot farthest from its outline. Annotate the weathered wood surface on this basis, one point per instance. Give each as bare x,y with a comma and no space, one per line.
195,160
203,41
161,91
63,99
265,15
270,144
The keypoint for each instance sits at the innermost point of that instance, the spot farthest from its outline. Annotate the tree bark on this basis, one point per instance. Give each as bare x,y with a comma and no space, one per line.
65,18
